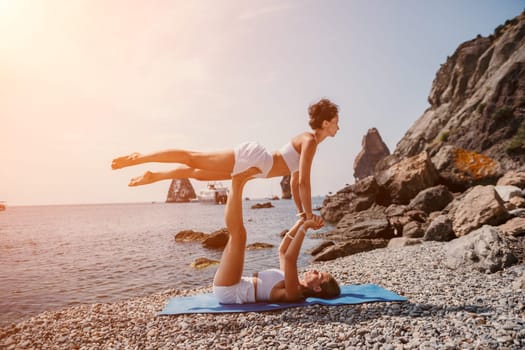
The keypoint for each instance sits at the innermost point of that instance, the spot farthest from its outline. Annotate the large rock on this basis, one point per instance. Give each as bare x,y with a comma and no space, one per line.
190,236
404,180
373,150
351,199
321,247
480,205
180,190
262,205
515,202
507,192
440,229
366,191
352,246
518,213
484,250
337,205
259,246
201,263
406,220
513,227
432,199
413,229
512,178
368,224
460,169
395,210
217,239
396,217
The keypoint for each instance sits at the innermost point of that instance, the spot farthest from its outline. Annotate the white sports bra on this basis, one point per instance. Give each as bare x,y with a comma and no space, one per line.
291,157
266,280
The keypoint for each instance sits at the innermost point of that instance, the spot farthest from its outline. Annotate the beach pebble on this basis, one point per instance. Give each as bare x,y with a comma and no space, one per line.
461,309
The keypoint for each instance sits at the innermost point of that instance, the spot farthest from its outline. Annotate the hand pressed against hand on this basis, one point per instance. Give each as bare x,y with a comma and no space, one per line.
315,222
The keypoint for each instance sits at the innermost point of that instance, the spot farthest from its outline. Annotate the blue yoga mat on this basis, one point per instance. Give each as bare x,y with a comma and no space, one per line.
206,303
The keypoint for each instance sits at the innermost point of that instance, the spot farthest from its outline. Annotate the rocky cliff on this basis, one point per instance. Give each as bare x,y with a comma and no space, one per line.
477,101
439,184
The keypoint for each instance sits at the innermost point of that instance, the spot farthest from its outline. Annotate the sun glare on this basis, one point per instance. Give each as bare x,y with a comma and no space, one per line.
5,5
7,14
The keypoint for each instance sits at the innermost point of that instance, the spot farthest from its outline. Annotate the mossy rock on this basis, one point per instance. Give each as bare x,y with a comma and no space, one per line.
259,245
201,263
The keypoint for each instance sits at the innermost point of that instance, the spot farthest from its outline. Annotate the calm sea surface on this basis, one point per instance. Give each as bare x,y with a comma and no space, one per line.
56,256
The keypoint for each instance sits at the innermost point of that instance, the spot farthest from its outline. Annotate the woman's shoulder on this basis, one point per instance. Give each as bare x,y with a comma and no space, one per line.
302,138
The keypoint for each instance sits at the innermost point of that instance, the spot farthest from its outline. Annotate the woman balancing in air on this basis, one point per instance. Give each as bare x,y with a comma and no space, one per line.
294,158
274,285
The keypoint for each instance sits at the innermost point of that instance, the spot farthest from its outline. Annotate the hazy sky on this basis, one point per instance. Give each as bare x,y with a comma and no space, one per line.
84,81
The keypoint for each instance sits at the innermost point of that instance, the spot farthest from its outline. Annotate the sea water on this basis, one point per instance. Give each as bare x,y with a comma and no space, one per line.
56,256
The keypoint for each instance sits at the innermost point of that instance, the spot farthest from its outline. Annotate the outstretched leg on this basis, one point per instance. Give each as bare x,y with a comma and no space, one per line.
220,161
231,266
182,172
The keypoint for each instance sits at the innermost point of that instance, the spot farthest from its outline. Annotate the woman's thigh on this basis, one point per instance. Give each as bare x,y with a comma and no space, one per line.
210,175
219,162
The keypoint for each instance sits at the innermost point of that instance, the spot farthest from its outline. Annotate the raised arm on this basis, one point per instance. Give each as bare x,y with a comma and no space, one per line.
308,148
294,185
285,243
288,254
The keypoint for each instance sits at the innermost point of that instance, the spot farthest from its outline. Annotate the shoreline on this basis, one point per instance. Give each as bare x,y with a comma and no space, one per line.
445,309
111,253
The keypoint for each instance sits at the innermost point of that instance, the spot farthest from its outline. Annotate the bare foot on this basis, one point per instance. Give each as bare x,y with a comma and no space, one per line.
147,178
125,161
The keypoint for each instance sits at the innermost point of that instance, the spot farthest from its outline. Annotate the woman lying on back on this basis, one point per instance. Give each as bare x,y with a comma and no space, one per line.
274,285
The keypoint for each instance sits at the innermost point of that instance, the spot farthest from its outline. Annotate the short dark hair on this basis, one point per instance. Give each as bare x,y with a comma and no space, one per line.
321,111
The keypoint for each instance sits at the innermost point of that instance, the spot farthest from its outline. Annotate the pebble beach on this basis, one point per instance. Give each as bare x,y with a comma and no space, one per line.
460,309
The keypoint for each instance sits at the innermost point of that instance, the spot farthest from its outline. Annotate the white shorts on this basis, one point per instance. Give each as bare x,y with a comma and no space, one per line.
252,154
240,293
